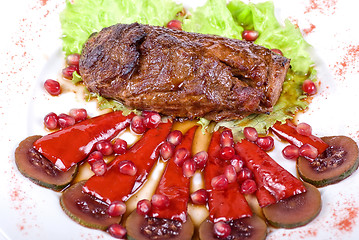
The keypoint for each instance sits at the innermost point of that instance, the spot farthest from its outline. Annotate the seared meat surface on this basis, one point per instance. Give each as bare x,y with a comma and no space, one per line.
182,74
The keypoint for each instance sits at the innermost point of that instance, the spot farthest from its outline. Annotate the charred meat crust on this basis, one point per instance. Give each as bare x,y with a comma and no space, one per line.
182,74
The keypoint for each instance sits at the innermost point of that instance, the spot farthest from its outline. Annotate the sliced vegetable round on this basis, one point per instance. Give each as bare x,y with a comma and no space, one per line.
295,211
137,225
336,163
39,169
249,228
85,209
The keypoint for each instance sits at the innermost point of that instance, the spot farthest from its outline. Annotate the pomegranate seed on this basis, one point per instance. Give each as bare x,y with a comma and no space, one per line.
52,87
309,87
304,129
105,147
226,153
277,51
73,59
175,137
143,207
199,197
160,201
137,125
119,146
230,173
222,229
237,163
68,71
51,121
226,139
127,167
291,152
265,143
249,186
117,231
166,150
181,155
116,208
65,120
244,174
189,168
308,151
94,156
79,114
99,167
219,182
250,35
152,120
200,159
174,24
250,134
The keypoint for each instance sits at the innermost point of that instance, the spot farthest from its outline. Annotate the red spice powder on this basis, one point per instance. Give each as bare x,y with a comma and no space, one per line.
306,31
43,2
345,218
326,7
348,62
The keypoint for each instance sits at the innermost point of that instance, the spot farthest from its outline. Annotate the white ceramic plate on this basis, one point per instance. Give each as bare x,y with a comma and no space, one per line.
30,52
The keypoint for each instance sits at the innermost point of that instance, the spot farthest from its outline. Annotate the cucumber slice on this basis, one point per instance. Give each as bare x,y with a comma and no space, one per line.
86,209
39,169
295,211
336,163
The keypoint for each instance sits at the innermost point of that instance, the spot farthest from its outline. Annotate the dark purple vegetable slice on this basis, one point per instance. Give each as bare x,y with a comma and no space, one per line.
86,209
142,228
249,228
336,163
39,169
295,211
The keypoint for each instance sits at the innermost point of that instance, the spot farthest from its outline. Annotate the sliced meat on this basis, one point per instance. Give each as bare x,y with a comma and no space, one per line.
182,74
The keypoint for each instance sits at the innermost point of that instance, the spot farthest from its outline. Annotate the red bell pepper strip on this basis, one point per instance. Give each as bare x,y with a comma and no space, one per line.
273,181
71,145
228,204
288,132
175,186
114,185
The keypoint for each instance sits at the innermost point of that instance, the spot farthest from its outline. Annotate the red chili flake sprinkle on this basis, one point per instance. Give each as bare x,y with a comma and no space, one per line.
348,63
309,30
326,7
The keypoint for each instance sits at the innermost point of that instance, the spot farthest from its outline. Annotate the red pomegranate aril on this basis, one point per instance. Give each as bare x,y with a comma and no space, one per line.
308,151
79,114
152,120
166,150
175,137
226,153
181,155
52,87
226,139
143,207
290,152
265,143
127,167
65,120
230,173
94,156
277,51
98,167
160,201
117,231
138,125
237,163
304,129
105,147
116,208
250,133
68,71
119,146
222,229
244,174
250,35
174,24
200,159
199,197
219,182
189,168
249,186
73,59
309,87
51,121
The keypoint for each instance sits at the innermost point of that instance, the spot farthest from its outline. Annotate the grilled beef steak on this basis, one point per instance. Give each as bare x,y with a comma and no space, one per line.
182,74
